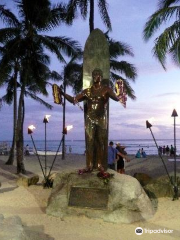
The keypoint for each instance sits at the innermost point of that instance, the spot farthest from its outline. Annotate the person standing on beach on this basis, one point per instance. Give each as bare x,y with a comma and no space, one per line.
160,150
113,156
172,151
167,150
70,149
27,150
96,125
120,162
164,150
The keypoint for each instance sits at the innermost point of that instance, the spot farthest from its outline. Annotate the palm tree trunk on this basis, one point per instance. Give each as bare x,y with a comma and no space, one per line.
13,147
91,16
20,140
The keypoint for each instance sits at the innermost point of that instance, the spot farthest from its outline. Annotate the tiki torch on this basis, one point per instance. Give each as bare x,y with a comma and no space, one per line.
30,131
174,115
65,130
148,125
45,121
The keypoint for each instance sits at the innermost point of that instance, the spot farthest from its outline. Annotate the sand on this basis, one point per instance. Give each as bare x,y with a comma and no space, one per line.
30,204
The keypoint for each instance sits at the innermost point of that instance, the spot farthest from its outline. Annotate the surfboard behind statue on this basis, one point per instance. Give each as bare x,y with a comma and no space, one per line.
96,55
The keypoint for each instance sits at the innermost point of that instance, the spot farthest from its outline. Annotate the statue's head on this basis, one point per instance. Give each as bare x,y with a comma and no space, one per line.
97,75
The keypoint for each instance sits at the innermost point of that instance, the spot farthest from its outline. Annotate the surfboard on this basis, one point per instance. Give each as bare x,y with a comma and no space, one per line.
96,55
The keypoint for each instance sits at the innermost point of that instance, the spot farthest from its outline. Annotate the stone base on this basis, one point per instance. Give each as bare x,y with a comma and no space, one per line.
127,201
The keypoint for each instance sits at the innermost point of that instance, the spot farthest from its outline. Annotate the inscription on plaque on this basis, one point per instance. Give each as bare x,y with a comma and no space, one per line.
94,198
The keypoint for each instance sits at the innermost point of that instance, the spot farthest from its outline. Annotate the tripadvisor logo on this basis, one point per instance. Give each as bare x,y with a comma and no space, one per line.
139,231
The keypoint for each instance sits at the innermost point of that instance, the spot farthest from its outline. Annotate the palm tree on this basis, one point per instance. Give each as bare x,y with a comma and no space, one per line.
23,40
31,90
83,5
168,42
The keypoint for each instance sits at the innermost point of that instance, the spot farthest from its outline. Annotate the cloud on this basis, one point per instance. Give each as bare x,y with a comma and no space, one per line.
168,94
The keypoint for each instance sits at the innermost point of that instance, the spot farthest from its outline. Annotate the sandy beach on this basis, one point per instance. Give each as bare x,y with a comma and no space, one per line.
29,203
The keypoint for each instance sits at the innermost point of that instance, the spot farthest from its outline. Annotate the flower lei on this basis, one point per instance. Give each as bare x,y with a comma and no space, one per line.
105,176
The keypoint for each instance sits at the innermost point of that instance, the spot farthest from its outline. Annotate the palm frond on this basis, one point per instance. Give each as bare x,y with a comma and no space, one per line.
156,20
8,97
117,49
36,98
175,52
65,45
167,3
7,34
72,9
57,15
165,41
83,5
125,68
8,17
102,5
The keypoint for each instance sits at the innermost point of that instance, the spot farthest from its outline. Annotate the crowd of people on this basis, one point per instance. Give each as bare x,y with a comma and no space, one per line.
166,150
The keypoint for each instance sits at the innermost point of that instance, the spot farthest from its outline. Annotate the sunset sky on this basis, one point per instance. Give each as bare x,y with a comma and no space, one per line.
157,91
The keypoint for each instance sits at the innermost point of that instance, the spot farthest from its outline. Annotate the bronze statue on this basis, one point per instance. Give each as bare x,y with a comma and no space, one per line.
96,126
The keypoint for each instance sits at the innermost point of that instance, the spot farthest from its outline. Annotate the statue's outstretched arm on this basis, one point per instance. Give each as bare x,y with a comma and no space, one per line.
68,97
80,97
112,95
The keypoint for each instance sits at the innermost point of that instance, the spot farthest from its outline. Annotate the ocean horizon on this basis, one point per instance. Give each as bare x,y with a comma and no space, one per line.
78,146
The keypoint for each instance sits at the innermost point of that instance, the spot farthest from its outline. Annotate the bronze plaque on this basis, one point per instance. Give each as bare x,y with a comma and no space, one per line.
95,198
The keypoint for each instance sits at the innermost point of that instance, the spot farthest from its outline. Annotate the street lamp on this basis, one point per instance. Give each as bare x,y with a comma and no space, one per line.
174,115
45,121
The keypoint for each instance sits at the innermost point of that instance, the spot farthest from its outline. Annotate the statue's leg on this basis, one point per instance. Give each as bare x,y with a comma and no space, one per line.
102,144
90,130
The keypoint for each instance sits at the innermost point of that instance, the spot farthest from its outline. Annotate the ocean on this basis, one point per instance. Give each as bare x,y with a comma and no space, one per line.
132,145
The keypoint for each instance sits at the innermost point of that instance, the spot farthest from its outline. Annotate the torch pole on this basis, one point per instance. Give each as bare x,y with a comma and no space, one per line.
55,156
37,156
175,177
161,157
45,161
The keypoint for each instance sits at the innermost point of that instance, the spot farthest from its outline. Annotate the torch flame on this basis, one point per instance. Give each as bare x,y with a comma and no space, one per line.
69,127
47,117
31,127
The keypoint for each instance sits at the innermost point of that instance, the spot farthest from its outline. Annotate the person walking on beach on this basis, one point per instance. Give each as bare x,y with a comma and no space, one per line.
96,125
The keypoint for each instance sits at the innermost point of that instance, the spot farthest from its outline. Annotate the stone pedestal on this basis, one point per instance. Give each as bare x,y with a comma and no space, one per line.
126,200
